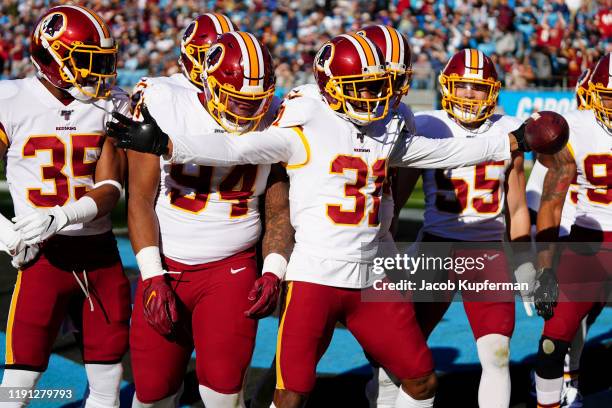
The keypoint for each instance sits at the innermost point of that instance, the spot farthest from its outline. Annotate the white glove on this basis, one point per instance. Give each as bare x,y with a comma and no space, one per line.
40,224
25,256
526,273
10,240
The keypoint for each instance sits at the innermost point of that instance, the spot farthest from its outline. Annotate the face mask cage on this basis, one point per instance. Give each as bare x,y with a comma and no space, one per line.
91,69
349,91
196,54
468,110
601,103
237,111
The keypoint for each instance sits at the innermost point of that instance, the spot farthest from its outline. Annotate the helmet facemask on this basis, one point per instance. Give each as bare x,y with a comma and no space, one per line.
469,110
363,98
601,103
90,69
400,81
196,55
236,111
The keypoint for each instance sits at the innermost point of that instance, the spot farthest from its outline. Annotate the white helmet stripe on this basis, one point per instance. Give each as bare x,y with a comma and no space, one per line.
246,63
229,22
388,42
260,59
215,21
357,46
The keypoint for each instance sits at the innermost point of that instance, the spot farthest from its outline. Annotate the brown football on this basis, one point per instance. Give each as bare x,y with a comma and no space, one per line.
546,132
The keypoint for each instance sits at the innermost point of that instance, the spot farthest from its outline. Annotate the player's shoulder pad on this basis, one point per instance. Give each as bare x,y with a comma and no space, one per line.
405,112
297,111
511,122
8,89
160,93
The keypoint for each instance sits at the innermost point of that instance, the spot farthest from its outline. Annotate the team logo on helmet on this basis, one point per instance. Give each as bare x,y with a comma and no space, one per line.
214,57
53,26
324,57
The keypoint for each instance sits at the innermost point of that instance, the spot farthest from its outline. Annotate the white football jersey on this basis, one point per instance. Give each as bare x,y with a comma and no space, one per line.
466,203
336,172
534,194
205,213
53,148
591,146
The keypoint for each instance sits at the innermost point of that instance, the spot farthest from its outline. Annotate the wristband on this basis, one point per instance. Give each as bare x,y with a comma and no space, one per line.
83,210
276,264
149,262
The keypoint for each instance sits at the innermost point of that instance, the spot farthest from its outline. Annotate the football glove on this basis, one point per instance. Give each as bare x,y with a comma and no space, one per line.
145,136
159,303
546,293
40,224
25,256
519,135
265,292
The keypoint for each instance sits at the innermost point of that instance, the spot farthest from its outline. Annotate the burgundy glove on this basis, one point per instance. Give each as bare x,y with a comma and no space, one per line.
160,305
266,291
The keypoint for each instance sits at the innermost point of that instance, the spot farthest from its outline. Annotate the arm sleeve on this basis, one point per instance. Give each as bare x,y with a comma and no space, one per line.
426,153
270,146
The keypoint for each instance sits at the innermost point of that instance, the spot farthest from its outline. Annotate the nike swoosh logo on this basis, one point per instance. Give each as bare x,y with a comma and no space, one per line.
492,257
235,271
151,296
50,222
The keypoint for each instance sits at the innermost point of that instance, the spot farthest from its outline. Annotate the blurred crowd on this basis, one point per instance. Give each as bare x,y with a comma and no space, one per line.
544,43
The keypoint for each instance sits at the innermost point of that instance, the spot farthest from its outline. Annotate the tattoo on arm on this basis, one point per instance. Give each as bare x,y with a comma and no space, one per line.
279,234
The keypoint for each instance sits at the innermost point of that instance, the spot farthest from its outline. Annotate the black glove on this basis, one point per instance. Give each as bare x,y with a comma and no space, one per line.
519,134
145,136
546,293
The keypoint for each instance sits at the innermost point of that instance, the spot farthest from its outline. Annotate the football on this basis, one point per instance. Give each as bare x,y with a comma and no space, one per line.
546,132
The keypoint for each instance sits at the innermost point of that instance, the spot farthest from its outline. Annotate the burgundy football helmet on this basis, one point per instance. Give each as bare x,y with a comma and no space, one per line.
238,81
600,88
469,68
73,49
351,74
398,58
197,38
583,96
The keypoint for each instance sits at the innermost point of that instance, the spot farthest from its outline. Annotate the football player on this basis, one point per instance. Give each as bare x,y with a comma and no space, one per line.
194,230
197,38
468,205
337,166
571,397
568,290
65,177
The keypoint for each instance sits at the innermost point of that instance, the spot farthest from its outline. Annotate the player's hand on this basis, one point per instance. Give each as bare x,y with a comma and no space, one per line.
25,256
546,293
159,303
10,240
519,135
265,291
145,136
40,224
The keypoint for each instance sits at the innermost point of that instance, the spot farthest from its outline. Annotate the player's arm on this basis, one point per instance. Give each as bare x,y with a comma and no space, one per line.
561,171
402,186
277,245
159,301
427,153
518,228
273,145
516,201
